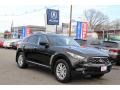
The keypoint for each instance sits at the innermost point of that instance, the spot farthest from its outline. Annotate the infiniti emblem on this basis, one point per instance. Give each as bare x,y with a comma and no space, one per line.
100,60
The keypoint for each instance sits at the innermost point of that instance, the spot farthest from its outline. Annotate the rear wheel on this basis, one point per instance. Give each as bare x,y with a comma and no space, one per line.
97,76
62,71
21,61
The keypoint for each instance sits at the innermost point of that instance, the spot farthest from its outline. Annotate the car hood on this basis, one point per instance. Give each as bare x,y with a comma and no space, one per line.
86,51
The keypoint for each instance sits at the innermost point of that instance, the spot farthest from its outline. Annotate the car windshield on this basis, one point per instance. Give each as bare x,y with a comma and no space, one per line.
81,42
62,41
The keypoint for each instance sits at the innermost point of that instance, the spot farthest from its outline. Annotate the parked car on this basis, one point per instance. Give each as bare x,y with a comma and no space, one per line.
9,42
62,55
114,50
93,43
15,43
99,45
1,43
6,44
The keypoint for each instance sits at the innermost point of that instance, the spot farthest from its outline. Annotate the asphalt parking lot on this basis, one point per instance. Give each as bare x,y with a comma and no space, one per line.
10,74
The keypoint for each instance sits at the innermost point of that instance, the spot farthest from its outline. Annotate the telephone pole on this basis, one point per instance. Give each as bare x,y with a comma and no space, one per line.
70,20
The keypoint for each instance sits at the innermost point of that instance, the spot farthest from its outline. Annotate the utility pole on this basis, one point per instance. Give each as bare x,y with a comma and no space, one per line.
12,26
56,29
12,31
70,20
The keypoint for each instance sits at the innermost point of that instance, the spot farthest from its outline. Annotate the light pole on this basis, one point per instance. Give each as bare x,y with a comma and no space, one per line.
70,20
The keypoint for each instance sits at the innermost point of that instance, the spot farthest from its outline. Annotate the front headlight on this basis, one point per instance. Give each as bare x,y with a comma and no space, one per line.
78,57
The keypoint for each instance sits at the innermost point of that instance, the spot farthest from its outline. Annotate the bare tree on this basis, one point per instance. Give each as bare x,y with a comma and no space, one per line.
95,18
115,24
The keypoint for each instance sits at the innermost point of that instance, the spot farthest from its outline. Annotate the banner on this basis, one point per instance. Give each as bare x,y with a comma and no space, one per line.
84,30
28,31
81,30
23,32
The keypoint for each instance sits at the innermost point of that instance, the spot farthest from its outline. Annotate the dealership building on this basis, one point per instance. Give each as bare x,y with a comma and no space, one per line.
17,32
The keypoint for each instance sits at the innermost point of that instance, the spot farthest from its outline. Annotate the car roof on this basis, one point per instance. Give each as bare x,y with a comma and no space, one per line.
48,34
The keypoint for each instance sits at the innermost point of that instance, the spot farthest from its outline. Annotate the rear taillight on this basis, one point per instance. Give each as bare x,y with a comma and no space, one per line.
114,50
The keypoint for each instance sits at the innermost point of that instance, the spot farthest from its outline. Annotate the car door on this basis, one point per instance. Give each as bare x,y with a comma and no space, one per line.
31,47
43,54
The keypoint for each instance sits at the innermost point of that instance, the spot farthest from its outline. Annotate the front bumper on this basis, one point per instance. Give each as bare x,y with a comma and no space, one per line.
93,68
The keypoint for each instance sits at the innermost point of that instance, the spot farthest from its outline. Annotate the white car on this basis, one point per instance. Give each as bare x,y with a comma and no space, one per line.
7,43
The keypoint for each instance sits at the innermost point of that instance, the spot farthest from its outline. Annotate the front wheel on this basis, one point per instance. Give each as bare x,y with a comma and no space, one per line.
62,71
21,60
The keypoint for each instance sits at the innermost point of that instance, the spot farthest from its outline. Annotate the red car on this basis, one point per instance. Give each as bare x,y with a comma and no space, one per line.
1,43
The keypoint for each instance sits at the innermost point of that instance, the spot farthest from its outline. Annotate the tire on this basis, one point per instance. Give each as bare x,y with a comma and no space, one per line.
21,60
65,71
97,76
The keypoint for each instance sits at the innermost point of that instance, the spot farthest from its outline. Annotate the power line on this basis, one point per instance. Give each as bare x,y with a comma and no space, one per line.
28,12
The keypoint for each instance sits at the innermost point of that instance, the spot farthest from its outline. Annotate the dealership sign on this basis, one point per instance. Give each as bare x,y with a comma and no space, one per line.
52,17
81,30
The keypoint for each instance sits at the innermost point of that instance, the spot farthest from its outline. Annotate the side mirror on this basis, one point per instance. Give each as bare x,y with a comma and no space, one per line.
44,44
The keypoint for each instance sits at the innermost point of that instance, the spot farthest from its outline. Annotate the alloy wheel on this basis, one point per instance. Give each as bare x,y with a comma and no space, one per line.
20,60
61,71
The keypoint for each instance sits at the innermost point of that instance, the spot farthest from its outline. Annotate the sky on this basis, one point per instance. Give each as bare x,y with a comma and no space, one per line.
32,12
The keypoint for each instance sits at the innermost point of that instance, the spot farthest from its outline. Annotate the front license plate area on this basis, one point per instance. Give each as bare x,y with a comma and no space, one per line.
103,68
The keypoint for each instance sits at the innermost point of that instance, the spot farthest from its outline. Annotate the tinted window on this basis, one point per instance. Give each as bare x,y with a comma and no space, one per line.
110,44
81,42
43,38
62,41
33,39
25,40
94,42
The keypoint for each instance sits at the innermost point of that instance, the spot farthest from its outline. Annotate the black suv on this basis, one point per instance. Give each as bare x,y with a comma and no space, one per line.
62,55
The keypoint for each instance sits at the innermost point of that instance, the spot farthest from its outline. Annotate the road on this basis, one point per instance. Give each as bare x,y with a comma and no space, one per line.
10,74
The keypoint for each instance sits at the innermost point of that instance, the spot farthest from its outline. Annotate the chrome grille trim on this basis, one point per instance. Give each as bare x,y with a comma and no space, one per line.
99,60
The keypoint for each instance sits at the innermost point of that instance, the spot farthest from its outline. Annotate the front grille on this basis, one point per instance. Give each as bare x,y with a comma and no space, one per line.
99,60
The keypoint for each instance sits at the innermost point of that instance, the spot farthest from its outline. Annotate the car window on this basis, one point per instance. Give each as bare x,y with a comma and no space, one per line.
62,41
43,38
25,40
81,42
110,44
33,39
94,42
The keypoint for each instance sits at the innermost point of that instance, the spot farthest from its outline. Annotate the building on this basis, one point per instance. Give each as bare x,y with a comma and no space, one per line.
29,29
102,34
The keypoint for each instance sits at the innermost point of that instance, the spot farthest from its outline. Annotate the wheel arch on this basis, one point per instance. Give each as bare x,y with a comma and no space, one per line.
57,57
18,51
